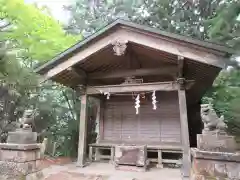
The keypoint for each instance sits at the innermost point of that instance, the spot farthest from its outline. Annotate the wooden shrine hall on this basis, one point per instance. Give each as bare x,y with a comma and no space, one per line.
148,85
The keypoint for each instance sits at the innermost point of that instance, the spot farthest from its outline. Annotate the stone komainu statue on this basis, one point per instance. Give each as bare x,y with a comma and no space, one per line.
27,119
24,134
210,119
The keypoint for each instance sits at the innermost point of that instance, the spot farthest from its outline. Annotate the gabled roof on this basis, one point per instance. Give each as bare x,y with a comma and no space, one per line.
122,23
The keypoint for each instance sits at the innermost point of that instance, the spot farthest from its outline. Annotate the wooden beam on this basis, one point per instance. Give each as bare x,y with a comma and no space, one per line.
134,61
149,40
184,132
172,70
180,66
78,72
82,132
122,88
94,47
170,46
165,86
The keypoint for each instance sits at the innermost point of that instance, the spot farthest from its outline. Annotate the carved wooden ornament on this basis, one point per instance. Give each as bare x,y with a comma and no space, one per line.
119,47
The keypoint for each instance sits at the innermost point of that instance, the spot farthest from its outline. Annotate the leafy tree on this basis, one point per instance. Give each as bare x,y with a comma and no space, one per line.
38,35
16,83
28,37
224,26
225,96
205,19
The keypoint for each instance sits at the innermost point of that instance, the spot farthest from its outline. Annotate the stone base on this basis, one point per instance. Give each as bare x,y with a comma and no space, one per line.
17,161
22,168
216,142
130,168
208,165
35,176
22,136
20,147
19,153
82,165
159,166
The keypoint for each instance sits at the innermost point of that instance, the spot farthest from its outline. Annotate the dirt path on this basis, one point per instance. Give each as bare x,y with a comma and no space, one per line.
106,171
64,175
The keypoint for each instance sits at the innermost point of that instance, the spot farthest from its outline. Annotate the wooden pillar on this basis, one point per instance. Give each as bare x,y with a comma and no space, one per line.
101,120
98,126
112,155
98,118
90,154
160,164
184,131
82,132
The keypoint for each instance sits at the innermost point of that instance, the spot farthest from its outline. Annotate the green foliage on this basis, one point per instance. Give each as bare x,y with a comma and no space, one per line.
64,105
225,96
205,19
28,36
40,36
16,83
224,26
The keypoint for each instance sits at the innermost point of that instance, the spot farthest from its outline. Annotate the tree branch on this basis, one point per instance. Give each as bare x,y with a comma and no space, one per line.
69,105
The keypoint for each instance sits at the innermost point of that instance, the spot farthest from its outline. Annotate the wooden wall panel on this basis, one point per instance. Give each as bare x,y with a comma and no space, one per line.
123,125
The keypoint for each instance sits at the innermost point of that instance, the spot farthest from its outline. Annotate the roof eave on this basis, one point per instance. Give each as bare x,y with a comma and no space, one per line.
64,55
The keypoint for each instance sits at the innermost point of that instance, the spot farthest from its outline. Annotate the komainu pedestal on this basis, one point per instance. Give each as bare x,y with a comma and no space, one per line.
216,142
19,160
20,156
22,136
207,165
215,156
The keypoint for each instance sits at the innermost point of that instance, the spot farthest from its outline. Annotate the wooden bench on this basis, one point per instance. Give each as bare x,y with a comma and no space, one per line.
160,160
159,149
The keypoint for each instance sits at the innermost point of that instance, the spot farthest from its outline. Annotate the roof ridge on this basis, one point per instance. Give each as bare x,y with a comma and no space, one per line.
61,56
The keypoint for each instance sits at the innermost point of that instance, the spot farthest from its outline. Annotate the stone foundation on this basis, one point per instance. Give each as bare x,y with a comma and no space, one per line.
19,160
216,142
215,158
215,165
22,136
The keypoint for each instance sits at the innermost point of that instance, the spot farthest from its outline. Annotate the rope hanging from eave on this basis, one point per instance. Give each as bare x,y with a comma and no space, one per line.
154,101
137,103
137,99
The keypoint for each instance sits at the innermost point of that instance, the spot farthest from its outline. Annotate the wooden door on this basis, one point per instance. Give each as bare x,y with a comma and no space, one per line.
162,125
